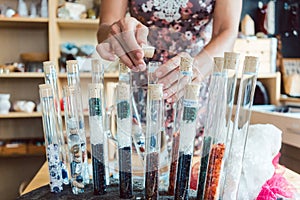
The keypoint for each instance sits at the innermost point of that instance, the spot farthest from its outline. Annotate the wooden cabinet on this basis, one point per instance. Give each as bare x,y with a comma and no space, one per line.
19,35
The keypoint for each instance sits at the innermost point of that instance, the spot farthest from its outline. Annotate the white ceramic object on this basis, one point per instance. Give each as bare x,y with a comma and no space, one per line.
22,9
44,8
24,106
4,103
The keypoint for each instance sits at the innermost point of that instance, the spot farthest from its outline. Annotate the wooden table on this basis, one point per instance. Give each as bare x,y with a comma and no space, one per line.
42,178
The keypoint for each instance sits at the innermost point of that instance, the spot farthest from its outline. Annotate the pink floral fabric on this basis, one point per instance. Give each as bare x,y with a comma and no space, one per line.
175,25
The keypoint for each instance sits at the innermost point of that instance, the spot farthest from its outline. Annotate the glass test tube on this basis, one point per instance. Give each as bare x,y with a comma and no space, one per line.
98,78
97,136
97,72
70,94
152,66
217,150
219,147
51,78
187,134
73,79
153,139
137,131
231,66
124,128
215,89
52,145
240,128
185,77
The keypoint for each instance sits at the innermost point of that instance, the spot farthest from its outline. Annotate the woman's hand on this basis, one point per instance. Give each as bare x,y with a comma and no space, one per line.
168,74
124,40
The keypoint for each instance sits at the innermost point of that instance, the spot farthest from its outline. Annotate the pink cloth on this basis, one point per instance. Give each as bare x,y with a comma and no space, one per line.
277,186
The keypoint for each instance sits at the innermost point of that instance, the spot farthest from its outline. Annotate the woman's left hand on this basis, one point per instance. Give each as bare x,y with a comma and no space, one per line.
168,75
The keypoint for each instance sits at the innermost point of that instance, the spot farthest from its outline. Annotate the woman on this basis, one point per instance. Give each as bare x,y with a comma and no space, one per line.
202,28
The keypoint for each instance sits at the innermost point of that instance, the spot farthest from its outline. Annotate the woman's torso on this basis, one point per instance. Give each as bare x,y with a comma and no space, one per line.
175,25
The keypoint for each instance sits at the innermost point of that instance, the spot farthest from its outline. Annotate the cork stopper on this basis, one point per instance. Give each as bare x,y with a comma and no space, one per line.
96,66
148,51
45,90
155,91
94,90
72,66
48,67
123,91
123,69
186,64
192,91
251,64
231,60
218,64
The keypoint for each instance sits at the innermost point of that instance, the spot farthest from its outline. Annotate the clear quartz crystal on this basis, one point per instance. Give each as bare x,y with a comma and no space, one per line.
50,127
186,142
153,139
239,134
97,136
73,79
185,77
74,139
51,78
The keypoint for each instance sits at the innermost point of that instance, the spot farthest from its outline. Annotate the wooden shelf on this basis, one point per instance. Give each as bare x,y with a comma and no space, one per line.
20,115
82,23
286,99
22,75
89,75
21,154
20,22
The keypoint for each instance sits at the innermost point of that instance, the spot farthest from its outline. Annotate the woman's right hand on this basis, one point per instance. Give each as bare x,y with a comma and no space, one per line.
124,40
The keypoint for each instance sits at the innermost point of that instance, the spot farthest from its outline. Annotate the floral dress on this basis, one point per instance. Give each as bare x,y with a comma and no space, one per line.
174,26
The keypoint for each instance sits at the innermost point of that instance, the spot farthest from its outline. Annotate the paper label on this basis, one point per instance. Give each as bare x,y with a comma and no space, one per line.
95,107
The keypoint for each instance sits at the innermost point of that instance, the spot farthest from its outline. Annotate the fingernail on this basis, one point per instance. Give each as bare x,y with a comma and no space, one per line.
142,67
138,55
134,68
112,58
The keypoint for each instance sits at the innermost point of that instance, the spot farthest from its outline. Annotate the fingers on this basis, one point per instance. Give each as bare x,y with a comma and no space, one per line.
141,34
105,51
124,38
169,66
170,78
170,93
134,32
